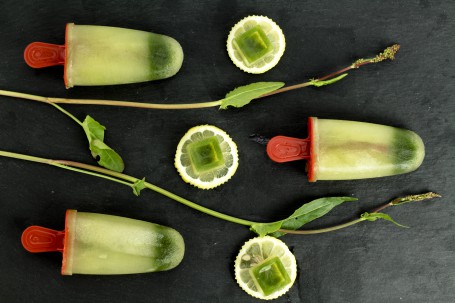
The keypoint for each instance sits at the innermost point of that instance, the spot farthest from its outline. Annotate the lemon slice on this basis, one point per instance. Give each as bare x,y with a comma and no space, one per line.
255,44
206,157
265,268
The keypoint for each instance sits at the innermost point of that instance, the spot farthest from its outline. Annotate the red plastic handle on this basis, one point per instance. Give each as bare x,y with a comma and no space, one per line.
39,54
37,239
286,149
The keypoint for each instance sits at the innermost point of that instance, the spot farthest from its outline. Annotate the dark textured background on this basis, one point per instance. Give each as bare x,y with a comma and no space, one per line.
369,262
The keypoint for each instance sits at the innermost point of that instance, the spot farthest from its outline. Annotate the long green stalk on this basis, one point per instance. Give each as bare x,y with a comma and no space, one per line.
394,202
132,181
322,230
115,176
53,101
387,54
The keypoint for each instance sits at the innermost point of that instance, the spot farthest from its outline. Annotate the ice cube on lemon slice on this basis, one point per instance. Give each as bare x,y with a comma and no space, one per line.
206,157
255,44
265,268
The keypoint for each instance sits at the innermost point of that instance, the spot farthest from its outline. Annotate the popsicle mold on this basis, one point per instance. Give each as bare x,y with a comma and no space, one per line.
105,245
103,55
345,150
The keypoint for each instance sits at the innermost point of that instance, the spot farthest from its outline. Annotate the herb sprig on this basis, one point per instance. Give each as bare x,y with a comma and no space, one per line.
239,97
303,215
94,131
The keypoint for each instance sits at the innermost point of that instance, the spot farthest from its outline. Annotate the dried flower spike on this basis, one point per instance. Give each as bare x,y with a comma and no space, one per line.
388,53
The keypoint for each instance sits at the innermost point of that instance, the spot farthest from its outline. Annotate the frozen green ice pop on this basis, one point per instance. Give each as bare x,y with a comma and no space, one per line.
105,245
102,55
344,150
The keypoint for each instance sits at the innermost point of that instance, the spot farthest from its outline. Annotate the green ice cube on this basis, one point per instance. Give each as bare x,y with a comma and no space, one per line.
270,275
253,45
206,154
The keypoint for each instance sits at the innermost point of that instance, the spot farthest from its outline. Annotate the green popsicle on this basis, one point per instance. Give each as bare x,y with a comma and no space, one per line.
357,150
105,245
103,55
346,150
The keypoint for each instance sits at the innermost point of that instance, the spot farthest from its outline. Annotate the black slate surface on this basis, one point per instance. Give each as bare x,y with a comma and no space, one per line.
369,262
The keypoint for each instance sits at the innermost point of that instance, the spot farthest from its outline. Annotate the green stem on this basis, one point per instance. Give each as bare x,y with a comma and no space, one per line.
394,202
53,101
130,181
322,230
67,113
198,207
90,173
115,176
134,104
336,227
286,89
388,54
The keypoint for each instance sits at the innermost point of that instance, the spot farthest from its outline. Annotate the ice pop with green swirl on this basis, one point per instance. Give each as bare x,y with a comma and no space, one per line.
102,55
345,150
101,244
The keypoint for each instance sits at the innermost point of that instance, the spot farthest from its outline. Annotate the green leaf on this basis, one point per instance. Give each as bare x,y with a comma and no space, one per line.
374,216
243,95
319,83
108,158
263,229
93,129
303,215
138,186
311,211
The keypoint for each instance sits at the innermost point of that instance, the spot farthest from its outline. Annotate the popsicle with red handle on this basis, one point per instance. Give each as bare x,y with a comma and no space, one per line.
103,55
105,245
345,150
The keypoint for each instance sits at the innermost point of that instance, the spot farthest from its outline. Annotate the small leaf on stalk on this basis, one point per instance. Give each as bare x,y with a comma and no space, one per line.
93,129
319,83
138,186
108,158
375,216
243,95
263,229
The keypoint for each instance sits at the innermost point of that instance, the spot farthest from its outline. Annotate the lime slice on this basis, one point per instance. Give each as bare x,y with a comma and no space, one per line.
255,44
206,157
265,268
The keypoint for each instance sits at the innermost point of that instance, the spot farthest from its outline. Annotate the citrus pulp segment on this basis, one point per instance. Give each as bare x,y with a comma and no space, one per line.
265,268
206,157
255,44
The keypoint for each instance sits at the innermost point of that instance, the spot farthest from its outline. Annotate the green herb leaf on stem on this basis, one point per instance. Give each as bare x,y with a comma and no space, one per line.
108,158
93,129
138,186
374,216
263,229
303,215
243,95
319,83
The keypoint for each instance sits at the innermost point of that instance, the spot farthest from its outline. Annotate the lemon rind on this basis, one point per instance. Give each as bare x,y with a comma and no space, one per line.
217,181
257,294
240,64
